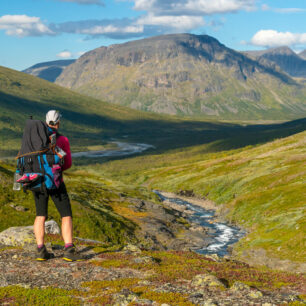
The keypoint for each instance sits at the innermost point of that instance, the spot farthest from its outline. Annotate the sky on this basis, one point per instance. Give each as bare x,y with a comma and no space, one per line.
35,31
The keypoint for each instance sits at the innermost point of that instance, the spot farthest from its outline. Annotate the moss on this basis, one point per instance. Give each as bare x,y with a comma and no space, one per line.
172,298
177,266
47,296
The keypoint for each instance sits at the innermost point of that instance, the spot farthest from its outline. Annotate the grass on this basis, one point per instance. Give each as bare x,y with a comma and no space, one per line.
92,206
177,266
16,295
261,188
90,123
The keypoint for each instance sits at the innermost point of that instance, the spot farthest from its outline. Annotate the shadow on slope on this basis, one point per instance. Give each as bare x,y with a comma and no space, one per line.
164,133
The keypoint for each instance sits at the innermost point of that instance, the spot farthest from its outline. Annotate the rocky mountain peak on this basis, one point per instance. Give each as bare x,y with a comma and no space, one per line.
303,54
176,74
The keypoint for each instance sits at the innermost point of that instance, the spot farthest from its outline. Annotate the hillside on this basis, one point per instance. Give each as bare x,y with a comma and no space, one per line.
186,74
48,70
89,122
260,188
86,121
290,62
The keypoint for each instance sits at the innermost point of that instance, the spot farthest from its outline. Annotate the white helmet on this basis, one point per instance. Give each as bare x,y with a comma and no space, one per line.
53,117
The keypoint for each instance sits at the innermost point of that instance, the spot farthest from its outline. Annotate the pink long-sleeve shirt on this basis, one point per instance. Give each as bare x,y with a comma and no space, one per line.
63,143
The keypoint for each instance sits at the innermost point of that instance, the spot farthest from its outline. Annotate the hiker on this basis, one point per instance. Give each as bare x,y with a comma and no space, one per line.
37,139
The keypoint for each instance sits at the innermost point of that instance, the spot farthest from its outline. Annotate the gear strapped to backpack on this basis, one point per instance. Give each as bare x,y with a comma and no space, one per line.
39,160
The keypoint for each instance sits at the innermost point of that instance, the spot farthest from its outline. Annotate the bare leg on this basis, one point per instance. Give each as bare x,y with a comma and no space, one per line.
67,229
39,229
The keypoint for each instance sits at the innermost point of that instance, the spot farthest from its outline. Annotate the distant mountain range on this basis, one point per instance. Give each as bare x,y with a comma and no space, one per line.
186,74
303,54
48,70
290,62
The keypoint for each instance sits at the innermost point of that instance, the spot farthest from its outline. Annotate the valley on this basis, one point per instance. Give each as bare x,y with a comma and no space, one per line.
244,158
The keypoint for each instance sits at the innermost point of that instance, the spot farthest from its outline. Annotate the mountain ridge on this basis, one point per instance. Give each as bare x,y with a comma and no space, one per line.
185,74
285,58
49,71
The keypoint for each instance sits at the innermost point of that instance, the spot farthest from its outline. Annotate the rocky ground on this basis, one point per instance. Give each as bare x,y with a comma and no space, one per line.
131,276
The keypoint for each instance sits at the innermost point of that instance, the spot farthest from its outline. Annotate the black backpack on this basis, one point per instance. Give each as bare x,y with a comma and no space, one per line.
38,158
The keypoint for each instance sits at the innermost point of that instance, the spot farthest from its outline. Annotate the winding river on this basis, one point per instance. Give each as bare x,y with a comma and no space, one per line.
220,234
124,149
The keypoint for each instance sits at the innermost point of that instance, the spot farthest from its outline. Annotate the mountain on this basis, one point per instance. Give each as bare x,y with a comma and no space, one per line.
303,54
49,70
292,63
186,74
91,122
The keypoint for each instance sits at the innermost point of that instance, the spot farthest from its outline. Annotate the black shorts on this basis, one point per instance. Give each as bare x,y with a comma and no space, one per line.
60,198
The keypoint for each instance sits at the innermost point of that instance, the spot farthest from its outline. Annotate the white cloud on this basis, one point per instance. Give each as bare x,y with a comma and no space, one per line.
64,54
23,25
98,2
272,38
111,29
285,10
182,23
193,7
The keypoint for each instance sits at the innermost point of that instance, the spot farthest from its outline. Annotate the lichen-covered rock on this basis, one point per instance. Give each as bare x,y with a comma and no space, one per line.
3,282
144,259
239,286
18,236
24,235
131,248
124,297
213,257
209,302
51,227
201,280
18,207
255,294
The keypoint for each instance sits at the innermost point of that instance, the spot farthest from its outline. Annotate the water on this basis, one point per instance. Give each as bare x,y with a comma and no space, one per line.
221,235
124,149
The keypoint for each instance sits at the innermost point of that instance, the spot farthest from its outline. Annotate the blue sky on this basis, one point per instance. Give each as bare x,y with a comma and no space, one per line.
34,31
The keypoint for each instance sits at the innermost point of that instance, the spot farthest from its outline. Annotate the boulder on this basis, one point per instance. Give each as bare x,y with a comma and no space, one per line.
210,302
209,280
18,236
131,248
124,297
239,286
3,281
144,259
24,235
255,294
213,257
19,207
51,227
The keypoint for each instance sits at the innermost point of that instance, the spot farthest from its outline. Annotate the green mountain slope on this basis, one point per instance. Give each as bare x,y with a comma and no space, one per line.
260,188
89,122
186,74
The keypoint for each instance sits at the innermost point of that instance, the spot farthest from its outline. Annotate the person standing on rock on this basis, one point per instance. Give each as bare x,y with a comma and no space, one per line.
60,198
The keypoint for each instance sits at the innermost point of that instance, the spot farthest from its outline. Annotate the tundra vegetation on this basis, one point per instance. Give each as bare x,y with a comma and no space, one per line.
255,174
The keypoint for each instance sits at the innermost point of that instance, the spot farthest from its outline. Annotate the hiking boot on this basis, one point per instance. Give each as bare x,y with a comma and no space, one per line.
43,254
70,254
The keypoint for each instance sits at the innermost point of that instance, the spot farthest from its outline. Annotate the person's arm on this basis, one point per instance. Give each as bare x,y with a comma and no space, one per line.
63,143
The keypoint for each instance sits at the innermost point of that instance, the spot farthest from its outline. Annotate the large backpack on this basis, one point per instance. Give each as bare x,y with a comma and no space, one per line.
38,158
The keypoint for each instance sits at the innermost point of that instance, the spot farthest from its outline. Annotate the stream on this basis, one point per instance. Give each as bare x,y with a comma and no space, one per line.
220,234
124,149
